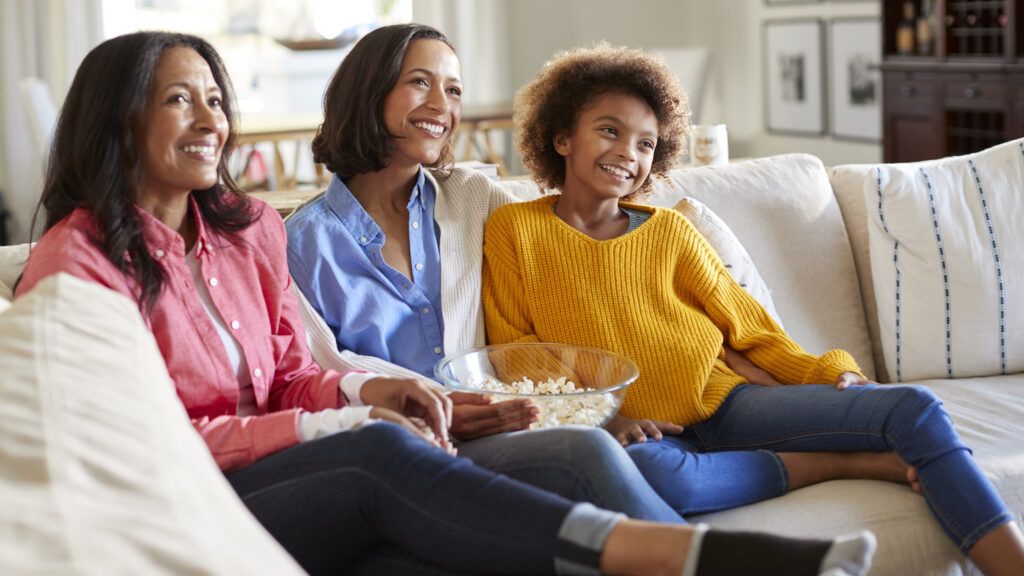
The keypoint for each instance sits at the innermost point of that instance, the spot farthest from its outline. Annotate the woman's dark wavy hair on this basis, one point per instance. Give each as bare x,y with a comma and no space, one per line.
94,160
353,138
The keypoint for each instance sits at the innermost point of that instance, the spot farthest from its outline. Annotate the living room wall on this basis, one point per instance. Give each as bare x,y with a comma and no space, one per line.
533,30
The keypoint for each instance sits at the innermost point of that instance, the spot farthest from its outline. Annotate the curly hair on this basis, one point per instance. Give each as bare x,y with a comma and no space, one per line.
572,81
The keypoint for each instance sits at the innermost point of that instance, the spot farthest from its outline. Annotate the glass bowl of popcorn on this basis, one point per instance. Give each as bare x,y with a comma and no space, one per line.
568,384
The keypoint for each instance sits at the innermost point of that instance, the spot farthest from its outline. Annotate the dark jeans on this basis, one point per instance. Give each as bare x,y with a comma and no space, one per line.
337,503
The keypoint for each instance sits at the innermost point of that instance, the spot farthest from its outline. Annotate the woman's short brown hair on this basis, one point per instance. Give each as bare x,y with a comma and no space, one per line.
570,82
353,139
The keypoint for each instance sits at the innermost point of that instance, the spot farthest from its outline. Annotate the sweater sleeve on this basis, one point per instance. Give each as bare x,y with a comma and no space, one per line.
506,313
750,329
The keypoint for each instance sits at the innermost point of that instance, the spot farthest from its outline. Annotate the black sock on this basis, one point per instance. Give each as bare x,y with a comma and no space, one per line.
739,553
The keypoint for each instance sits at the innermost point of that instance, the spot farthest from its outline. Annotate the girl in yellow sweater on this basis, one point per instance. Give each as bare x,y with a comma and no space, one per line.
590,267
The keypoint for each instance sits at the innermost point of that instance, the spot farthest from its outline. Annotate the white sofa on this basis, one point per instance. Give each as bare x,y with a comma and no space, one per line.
806,229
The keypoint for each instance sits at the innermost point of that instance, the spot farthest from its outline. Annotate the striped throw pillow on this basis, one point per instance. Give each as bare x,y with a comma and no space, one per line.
946,241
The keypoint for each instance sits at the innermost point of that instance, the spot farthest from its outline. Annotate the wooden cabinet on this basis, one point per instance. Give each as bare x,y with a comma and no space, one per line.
960,93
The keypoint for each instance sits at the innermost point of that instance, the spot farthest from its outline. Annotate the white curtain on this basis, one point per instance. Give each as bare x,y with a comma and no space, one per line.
46,39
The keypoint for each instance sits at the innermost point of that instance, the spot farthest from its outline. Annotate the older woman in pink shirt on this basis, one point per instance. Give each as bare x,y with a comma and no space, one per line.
350,472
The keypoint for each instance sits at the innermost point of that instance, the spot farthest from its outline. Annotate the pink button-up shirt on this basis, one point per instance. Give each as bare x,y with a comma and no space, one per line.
249,284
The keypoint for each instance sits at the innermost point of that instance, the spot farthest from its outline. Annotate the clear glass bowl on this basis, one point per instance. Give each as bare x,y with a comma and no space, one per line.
594,385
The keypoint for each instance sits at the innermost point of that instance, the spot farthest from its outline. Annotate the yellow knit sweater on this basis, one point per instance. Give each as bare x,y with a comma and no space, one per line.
659,295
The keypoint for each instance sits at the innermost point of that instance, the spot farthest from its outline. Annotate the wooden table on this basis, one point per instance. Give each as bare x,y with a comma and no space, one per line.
286,201
299,128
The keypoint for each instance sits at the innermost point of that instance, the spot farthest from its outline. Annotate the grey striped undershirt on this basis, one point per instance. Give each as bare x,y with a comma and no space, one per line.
636,217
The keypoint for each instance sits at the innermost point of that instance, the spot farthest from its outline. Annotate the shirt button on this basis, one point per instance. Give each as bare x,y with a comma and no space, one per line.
213,282
257,372
419,266
363,239
235,324
159,253
415,225
437,349
426,310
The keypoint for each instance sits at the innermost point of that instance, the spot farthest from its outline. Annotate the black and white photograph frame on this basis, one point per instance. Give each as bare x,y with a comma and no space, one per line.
855,81
794,76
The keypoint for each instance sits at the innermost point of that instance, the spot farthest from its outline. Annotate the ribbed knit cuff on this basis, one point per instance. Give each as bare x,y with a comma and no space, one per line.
582,538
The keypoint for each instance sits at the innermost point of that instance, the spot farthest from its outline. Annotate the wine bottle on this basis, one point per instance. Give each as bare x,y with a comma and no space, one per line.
925,34
905,30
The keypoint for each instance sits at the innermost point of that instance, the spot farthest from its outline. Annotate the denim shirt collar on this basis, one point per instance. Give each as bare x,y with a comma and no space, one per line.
356,219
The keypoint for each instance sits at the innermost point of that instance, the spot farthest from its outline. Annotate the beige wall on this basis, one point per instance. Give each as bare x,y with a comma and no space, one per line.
534,30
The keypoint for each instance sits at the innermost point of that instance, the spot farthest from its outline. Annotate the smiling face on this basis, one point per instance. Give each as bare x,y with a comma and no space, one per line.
424,107
184,128
611,147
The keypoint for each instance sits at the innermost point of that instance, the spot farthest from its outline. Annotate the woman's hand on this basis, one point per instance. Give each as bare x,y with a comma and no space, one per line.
629,431
412,398
474,416
742,365
415,425
847,379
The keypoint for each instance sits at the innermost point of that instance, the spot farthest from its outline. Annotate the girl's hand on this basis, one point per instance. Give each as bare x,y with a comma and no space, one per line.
629,431
415,425
413,398
474,416
847,379
742,365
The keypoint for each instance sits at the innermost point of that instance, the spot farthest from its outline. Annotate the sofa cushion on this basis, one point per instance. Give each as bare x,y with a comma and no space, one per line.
100,469
783,211
12,261
730,250
946,263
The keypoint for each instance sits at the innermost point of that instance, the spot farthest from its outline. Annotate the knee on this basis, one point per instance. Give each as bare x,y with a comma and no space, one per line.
594,450
380,439
915,402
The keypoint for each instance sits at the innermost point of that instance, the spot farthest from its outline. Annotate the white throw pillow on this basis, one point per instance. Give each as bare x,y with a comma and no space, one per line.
947,263
730,250
100,470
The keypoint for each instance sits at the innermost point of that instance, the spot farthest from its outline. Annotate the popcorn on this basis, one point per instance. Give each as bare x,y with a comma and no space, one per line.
566,406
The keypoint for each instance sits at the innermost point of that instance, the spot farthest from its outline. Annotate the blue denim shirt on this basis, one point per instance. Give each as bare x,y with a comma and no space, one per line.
334,255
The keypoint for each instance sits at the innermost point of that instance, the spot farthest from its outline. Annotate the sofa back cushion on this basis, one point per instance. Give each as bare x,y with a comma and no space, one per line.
947,262
100,469
783,211
12,262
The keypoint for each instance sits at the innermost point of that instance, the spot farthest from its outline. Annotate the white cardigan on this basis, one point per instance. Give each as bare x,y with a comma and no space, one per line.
464,201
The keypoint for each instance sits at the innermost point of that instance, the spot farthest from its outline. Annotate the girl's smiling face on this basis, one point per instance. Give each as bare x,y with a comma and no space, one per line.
611,148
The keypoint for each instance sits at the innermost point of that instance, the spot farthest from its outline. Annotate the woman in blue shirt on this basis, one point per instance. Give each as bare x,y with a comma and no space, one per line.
390,257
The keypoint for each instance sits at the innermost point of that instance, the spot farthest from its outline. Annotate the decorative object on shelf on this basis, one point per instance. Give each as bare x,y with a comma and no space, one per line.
905,30
794,72
855,82
709,145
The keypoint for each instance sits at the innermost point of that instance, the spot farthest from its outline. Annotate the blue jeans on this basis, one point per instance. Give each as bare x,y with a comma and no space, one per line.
343,501
815,418
580,463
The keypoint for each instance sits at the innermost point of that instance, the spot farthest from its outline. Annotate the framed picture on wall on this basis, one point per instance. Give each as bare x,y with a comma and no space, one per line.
793,71
855,82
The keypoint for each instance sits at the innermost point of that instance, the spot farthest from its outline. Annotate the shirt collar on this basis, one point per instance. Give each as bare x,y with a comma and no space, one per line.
161,239
354,217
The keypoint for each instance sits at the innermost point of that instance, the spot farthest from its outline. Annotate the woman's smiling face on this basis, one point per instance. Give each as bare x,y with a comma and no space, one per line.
425,106
184,129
